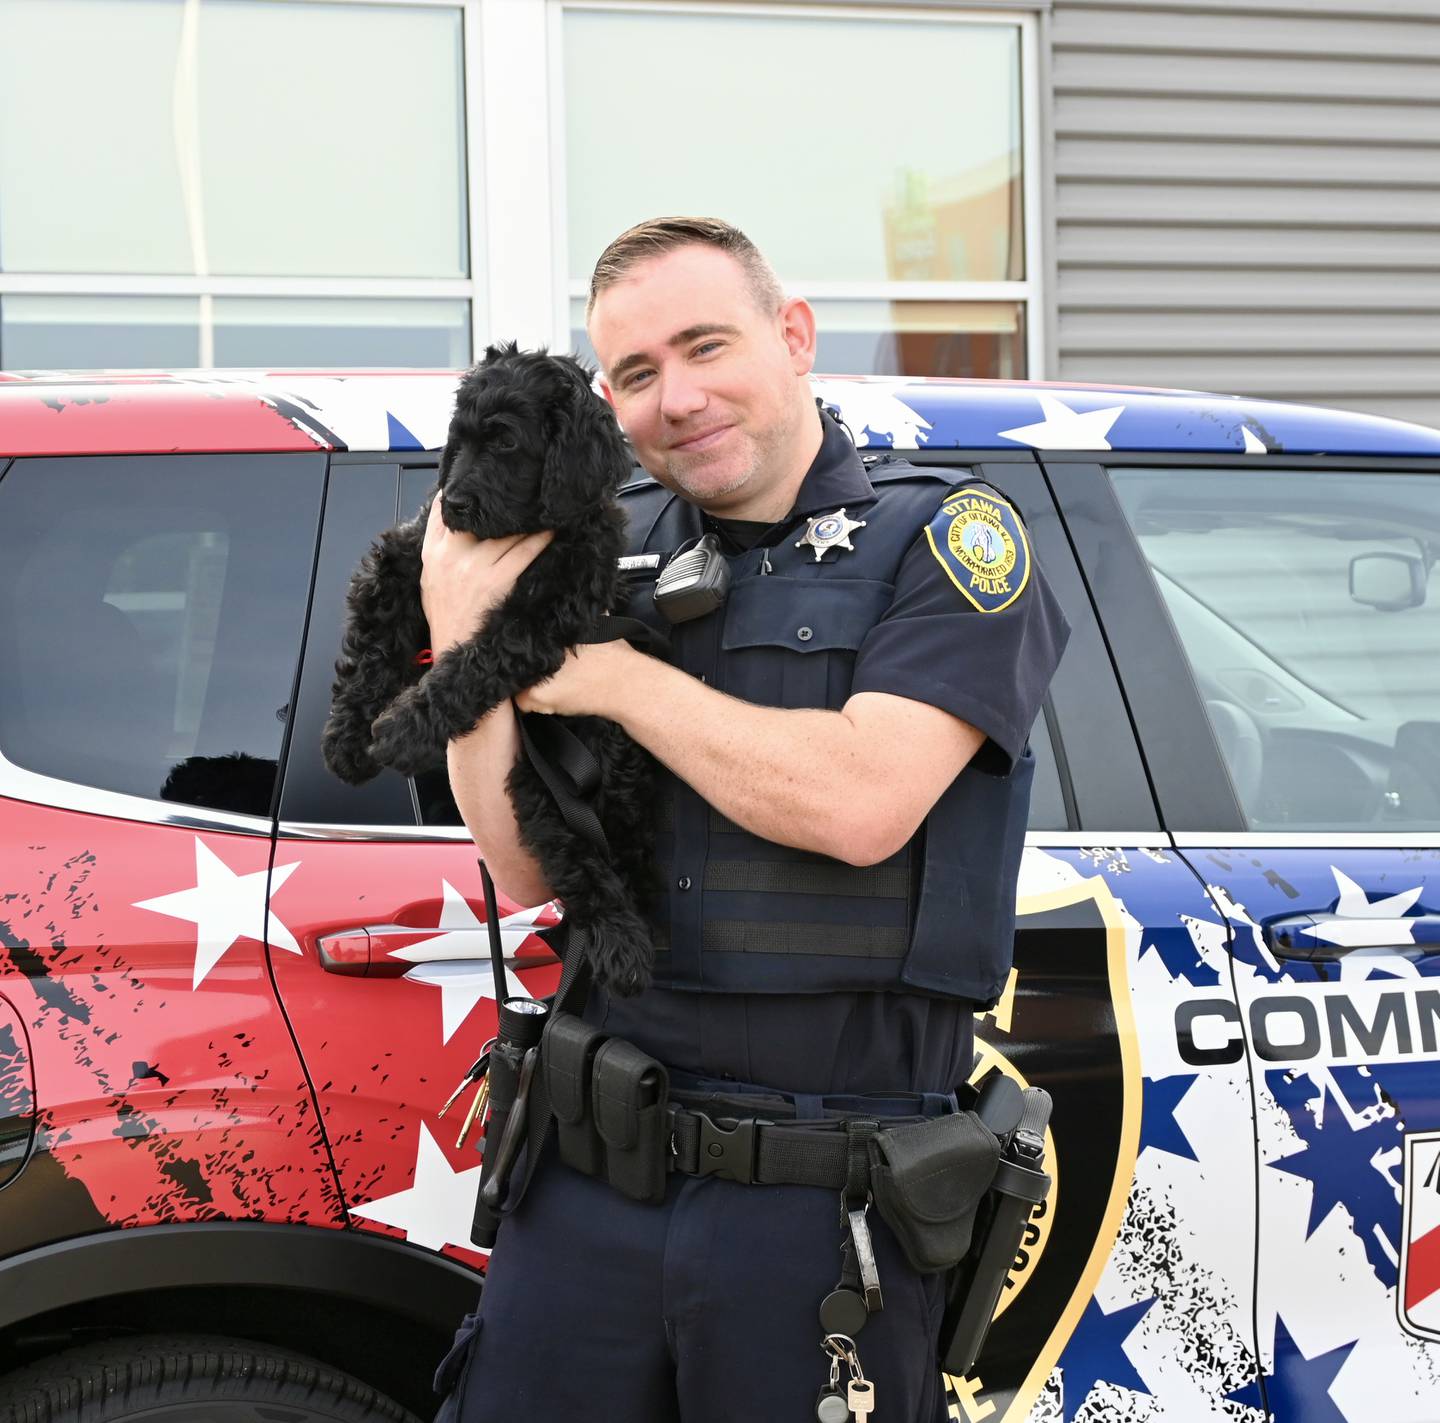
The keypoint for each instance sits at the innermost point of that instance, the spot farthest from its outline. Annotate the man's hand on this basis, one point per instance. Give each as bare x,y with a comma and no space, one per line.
586,683
462,578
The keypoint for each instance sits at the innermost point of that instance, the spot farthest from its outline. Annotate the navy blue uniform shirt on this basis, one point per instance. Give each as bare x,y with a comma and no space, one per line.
989,669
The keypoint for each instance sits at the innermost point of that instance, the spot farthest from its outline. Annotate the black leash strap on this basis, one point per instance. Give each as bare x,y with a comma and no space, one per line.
616,627
570,773
492,926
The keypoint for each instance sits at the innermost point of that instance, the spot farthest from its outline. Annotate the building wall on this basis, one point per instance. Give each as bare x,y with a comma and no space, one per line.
1246,197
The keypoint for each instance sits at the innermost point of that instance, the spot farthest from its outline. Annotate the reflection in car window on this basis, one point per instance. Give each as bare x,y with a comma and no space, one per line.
151,609
1308,606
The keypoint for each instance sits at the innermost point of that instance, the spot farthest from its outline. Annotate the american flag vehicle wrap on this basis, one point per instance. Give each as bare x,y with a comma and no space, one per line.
1245,1223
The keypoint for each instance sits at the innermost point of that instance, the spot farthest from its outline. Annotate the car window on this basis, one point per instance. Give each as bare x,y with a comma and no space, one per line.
360,501
1306,603
433,800
151,609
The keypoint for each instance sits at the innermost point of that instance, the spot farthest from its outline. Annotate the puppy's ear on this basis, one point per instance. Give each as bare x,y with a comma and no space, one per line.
447,458
586,457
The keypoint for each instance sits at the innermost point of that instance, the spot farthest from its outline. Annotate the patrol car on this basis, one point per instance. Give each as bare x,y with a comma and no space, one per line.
234,992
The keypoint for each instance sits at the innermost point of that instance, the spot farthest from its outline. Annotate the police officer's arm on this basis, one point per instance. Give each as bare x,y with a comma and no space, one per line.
461,578
853,784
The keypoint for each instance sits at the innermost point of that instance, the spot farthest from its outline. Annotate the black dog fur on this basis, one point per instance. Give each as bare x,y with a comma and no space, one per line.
530,447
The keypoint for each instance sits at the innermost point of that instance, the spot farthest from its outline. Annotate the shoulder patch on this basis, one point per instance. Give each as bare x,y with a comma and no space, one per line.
977,538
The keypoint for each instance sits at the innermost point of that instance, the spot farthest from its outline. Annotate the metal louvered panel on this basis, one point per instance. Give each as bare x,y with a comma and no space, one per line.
1247,197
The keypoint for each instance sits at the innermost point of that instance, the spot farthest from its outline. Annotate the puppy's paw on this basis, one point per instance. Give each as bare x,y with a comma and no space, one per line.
622,955
347,757
401,740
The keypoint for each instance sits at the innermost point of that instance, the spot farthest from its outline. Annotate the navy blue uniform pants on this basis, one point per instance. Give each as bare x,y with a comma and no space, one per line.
703,1309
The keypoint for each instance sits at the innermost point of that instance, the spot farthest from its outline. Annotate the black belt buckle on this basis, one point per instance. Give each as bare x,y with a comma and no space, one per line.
729,1152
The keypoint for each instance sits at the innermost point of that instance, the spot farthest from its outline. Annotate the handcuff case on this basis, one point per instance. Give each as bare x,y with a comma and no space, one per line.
928,1179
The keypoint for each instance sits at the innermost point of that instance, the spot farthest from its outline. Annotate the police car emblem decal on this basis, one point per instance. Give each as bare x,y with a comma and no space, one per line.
827,531
1418,1296
978,541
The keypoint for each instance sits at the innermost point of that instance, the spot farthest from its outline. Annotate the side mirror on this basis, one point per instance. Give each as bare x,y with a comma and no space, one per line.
1388,581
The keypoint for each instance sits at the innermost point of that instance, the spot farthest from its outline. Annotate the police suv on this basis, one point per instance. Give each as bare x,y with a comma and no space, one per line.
234,992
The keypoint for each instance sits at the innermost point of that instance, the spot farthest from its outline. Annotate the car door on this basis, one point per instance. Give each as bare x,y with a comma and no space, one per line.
151,610
1126,1250
392,995
1276,627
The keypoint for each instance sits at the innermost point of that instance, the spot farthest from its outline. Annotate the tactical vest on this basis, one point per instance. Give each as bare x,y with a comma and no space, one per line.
739,914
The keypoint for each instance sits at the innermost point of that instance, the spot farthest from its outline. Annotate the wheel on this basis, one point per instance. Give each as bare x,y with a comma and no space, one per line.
189,1378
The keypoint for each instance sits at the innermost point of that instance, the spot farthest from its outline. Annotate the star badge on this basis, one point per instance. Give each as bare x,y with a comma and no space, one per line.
827,531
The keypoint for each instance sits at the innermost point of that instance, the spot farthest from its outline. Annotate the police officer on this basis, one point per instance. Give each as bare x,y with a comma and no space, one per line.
846,781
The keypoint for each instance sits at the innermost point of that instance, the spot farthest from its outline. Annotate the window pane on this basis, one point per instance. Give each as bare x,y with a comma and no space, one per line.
150,617
99,332
297,139
127,333
921,338
912,338
255,331
922,183
1306,604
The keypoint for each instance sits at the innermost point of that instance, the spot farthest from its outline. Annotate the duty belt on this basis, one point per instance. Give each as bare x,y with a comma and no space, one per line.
760,1152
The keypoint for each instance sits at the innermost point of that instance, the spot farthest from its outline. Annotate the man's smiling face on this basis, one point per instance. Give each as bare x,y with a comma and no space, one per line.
710,388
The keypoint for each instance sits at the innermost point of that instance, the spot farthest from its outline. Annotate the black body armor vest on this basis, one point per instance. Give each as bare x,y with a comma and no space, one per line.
740,914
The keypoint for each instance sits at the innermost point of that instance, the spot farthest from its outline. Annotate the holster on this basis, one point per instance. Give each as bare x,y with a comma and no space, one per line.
973,1289
609,1099
928,1179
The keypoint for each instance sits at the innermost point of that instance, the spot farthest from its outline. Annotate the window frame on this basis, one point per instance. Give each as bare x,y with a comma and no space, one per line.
1193,790
1028,293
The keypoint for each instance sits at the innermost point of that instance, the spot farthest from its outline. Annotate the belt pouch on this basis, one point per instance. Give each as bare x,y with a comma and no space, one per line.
569,1058
928,1179
629,1093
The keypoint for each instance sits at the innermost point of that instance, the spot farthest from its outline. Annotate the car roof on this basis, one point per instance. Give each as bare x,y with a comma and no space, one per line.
148,412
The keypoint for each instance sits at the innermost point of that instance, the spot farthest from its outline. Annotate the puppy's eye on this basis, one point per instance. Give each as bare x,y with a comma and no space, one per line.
503,442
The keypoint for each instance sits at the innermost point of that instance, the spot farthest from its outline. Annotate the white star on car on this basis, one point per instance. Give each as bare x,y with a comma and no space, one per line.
437,1208
870,409
225,907
1066,429
1359,923
464,975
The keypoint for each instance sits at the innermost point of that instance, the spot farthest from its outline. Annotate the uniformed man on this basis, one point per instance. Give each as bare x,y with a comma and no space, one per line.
846,781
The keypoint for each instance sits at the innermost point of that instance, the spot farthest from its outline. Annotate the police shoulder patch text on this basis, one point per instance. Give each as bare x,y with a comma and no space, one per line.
978,540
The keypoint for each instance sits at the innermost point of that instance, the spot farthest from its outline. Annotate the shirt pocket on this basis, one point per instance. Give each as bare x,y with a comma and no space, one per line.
791,642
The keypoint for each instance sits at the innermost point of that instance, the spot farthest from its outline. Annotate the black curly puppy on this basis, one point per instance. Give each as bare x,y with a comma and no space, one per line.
530,447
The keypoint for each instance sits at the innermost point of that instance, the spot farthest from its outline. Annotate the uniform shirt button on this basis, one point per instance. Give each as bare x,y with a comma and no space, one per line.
804,634
683,882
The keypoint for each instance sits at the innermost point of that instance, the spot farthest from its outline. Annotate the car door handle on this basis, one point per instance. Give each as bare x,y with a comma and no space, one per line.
1319,936
369,950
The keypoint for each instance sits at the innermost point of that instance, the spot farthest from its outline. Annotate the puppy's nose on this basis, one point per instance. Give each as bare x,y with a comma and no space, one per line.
454,511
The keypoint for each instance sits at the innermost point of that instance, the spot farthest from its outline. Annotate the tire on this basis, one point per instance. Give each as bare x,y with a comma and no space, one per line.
189,1378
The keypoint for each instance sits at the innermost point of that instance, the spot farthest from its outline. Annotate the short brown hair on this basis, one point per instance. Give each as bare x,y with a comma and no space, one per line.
664,234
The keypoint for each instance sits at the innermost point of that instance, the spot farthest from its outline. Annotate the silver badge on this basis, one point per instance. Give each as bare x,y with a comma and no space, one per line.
827,531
